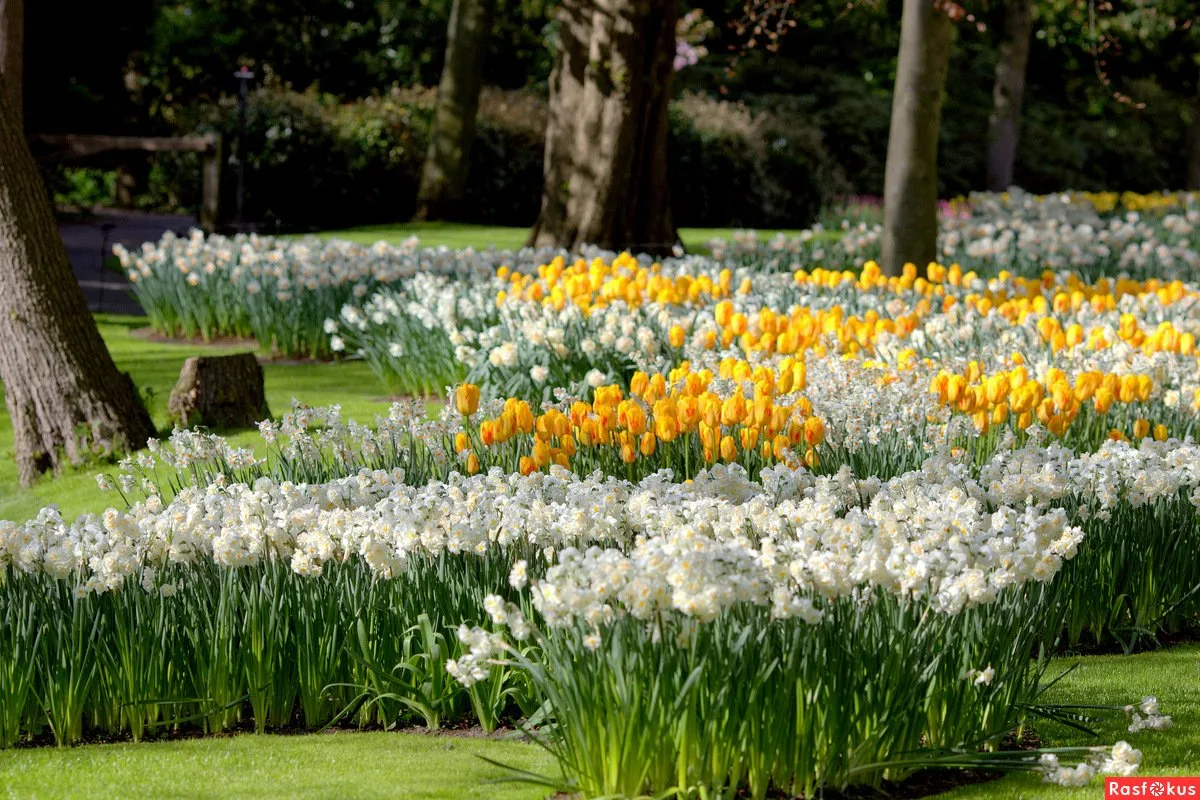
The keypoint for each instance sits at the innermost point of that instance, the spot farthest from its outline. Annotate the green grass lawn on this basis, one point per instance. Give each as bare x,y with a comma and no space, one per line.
155,368
1172,675
457,235
401,765
342,765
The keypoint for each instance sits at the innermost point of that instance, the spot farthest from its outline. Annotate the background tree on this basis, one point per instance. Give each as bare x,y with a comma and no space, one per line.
910,190
341,93
444,174
1008,94
63,392
606,136
1192,181
12,54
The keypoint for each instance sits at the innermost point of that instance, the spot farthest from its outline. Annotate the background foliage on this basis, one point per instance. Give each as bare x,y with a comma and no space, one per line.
1108,102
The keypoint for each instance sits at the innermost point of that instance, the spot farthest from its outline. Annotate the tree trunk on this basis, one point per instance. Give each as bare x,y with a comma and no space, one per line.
1193,134
1008,93
444,175
910,213
12,54
606,137
219,392
64,394
133,174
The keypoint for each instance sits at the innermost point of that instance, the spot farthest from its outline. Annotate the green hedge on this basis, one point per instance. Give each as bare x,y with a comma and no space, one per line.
314,163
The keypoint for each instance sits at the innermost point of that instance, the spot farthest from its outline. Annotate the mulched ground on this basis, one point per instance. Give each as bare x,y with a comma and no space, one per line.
150,335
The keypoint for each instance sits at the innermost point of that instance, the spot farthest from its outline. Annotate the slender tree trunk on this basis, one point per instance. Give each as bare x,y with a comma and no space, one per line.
910,213
133,173
1193,164
1008,94
12,54
444,175
606,137
63,392
133,170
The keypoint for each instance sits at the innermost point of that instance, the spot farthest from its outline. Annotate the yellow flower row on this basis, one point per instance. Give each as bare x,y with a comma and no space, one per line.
1107,202
805,329
992,399
597,283
1165,338
658,409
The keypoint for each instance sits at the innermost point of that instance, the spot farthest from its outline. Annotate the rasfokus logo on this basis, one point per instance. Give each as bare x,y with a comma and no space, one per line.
1151,787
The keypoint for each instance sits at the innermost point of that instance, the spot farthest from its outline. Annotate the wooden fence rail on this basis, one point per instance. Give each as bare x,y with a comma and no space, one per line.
53,148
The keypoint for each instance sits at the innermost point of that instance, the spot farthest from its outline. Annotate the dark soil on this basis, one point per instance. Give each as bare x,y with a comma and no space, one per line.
150,335
1144,643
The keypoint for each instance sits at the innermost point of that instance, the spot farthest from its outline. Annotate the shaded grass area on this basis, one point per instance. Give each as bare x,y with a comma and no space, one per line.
342,765
458,235
411,765
154,367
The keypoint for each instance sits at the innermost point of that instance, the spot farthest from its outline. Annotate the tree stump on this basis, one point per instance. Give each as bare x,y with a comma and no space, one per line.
219,392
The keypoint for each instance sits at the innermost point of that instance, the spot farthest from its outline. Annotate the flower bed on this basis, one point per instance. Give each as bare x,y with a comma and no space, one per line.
288,603
713,527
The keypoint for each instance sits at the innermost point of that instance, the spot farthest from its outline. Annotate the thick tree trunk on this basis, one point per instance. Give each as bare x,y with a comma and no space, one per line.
63,392
606,138
1008,93
444,175
221,392
910,213
12,54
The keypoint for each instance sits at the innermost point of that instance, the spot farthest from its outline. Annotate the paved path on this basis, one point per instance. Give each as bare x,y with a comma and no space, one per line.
105,289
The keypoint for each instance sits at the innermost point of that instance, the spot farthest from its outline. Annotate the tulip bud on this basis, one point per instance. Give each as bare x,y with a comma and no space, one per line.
467,399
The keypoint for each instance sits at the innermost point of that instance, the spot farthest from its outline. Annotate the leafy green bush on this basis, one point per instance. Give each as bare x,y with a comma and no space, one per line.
1138,151
312,162
731,165
82,187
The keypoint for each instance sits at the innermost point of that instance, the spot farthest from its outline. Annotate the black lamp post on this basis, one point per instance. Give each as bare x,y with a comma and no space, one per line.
244,76
106,230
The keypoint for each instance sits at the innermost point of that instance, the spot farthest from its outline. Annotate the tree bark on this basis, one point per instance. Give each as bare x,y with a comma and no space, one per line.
444,175
12,54
133,175
1008,94
64,394
910,213
1193,134
219,392
606,138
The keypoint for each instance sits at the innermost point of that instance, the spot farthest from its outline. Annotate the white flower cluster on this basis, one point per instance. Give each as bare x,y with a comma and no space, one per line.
1121,759
1013,229
699,554
1152,721
1117,473
720,539
308,264
484,648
